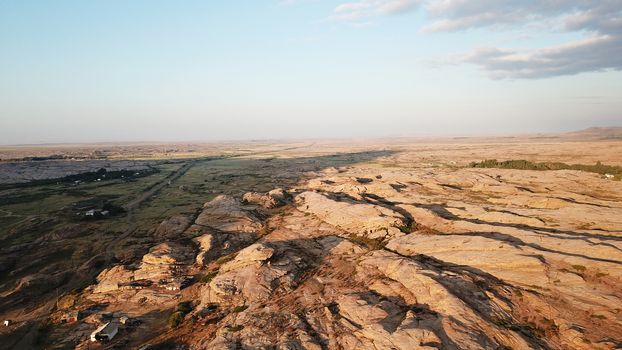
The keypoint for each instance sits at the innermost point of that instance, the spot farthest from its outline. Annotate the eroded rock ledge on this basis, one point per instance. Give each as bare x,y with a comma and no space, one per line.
405,260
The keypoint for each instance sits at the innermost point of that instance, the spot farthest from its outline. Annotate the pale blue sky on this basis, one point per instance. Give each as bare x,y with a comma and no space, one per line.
147,70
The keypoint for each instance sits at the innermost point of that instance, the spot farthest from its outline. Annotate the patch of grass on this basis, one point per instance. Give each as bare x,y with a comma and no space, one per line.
240,308
370,243
600,317
210,308
412,227
579,268
208,277
181,310
235,328
225,259
66,301
425,230
175,319
52,258
184,306
503,323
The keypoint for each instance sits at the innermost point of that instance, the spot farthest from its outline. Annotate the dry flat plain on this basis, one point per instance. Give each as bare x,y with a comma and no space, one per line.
364,244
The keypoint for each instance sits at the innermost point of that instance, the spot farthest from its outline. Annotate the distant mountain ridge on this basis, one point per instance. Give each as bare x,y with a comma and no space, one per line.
612,132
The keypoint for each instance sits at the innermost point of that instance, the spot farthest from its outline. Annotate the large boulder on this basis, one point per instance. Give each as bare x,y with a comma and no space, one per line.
273,199
226,214
243,274
356,218
168,253
164,260
110,279
173,226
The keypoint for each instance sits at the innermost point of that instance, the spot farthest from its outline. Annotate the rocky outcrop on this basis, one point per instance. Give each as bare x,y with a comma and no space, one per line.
227,214
163,261
417,259
273,199
173,227
165,264
243,275
353,217
113,278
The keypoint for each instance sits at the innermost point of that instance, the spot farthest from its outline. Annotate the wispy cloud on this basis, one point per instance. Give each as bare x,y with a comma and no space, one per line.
599,20
593,54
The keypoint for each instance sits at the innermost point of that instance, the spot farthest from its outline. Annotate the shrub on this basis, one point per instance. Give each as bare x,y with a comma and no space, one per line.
66,302
235,328
175,319
409,228
598,168
210,308
240,308
184,307
579,268
370,243
225,259
208,277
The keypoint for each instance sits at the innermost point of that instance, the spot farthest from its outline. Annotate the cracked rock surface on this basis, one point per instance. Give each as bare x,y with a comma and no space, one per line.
417,259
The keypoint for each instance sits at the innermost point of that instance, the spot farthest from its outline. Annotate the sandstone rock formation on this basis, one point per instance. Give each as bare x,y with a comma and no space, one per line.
226,214
163,261
173,227
273,199
419,259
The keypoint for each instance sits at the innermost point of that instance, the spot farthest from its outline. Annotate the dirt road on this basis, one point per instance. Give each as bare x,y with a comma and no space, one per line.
135,203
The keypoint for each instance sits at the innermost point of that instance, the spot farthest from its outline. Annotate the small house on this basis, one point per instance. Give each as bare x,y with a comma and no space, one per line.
6,323
609,176
105,332
90,212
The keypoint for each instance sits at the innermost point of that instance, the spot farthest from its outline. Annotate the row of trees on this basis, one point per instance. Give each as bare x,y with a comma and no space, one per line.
599,167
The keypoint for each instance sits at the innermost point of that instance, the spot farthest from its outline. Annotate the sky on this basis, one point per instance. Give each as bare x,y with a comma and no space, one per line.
190,70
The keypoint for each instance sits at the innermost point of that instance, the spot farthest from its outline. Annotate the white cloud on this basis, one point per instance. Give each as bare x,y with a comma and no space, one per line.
599,20
593,54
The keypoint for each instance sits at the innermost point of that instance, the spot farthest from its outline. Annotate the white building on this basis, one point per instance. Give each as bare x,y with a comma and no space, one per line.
105,332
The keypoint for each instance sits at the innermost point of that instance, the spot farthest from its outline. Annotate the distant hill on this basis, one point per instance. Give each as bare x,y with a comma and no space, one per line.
599,133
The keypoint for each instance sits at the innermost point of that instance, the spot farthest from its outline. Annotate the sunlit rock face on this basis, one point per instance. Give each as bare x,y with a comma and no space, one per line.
463,261
400,259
